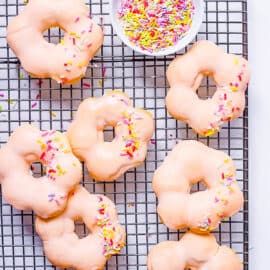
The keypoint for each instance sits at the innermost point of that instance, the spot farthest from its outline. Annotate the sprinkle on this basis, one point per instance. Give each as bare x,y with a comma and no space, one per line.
74,41
77,19
25,1
21,76
2,95
53,114
1,108
62,42
131,204
86,85
100,83
34,105
152,141
131,141
88,44
157,24
110,232
104,70
236,61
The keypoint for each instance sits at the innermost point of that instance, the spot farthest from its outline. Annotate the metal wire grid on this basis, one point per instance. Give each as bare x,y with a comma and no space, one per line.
51,106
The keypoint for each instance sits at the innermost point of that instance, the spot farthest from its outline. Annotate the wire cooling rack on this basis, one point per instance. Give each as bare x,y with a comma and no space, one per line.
51,106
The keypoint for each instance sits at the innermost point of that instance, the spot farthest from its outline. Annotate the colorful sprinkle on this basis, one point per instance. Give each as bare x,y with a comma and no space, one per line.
51,143
34,105
112,237
157,24
53,114
87,85
132,143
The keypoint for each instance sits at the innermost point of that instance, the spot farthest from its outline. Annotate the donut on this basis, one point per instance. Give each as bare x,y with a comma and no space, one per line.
62,245
193,251
65,62
188,163
133,129
47,195
185,73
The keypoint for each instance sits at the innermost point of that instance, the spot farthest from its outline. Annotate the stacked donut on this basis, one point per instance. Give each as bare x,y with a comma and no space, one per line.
57,198
191,162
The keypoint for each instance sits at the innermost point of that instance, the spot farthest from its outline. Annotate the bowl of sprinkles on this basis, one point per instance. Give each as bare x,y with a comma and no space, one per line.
156,27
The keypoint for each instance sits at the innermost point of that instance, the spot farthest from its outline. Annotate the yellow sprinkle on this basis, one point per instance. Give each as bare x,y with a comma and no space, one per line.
67,151
108,234
25,1
53,114
230,188
100,82
21,76
210,132
62,42
77,35
70,62
234,88
226,160
73,33
236,61
39,141
74,164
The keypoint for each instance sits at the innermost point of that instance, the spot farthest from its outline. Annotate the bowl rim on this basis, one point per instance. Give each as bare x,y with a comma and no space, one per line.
182,43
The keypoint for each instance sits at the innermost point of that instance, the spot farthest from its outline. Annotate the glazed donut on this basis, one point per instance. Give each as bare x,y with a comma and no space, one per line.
185,73
106,236
193,251
67,61
133,129
188,163
46,196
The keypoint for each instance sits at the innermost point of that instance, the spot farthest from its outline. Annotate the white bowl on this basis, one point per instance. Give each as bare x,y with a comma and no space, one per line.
183,42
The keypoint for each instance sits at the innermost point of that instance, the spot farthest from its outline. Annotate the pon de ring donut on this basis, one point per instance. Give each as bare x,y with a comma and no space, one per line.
189,163
67,61
185,74
106,236
133,129
47,196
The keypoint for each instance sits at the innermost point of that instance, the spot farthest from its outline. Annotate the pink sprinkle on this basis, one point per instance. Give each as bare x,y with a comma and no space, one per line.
82,32
74,41
104,70
216,199
90,28
77,19
39,83
38,96
2,95
89,44
86,85
152,141
34,105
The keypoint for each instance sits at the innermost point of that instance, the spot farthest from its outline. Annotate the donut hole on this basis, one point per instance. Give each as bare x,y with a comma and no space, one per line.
200,186
108,134
53,35
207,88
80,229
37,170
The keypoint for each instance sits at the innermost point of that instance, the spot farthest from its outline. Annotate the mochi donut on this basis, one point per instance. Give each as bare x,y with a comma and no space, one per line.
133,129
47,196
188,163
193,251
67,61
106,236
185,73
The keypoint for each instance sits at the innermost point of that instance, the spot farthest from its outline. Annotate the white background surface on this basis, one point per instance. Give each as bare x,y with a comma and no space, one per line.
259,127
